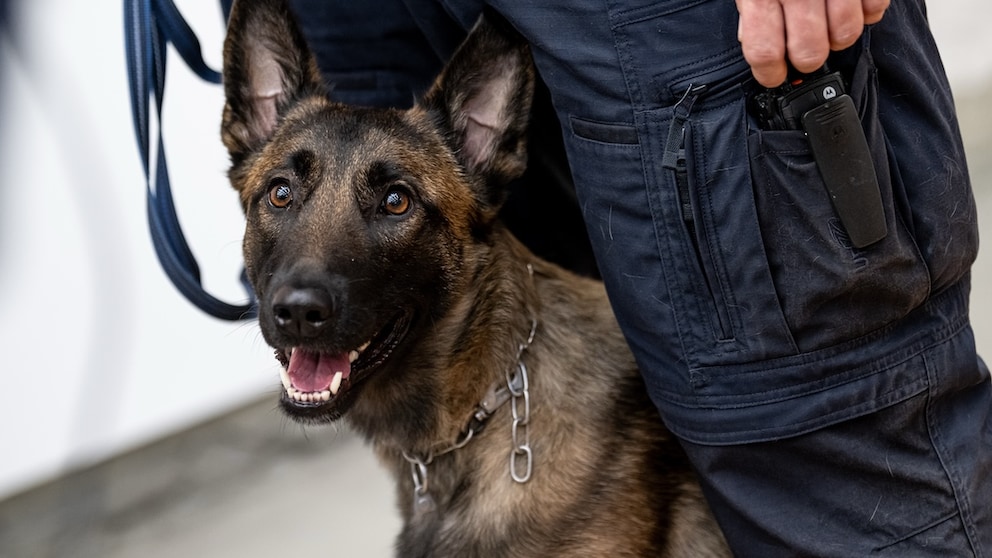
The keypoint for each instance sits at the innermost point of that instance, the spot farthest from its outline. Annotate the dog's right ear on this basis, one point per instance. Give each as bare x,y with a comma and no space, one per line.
267,65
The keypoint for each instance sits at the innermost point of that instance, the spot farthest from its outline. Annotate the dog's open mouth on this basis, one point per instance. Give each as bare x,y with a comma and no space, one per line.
314,378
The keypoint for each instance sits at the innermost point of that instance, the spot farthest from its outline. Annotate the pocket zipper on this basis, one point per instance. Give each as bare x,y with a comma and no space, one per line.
674,158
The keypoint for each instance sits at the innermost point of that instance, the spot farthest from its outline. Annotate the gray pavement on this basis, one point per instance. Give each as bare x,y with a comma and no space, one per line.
250,484
253,484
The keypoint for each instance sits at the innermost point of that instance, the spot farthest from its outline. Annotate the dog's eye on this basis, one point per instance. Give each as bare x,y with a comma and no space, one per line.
396,202
280,195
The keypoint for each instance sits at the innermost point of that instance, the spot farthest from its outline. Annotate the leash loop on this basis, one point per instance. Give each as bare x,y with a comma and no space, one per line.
149,26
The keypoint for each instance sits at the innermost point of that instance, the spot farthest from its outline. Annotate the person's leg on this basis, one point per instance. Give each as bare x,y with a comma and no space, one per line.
912,479
790,362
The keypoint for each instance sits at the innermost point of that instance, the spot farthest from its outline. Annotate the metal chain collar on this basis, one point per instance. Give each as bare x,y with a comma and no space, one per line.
516,390
519,387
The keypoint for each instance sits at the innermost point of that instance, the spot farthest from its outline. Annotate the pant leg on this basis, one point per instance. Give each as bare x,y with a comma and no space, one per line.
910,480
831,397
371,53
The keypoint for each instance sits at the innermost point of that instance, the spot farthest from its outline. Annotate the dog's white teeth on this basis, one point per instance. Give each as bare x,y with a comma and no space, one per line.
353,356
365,346
314,396
310,397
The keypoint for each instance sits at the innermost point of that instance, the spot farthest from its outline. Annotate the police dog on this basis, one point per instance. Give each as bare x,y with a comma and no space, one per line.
495,387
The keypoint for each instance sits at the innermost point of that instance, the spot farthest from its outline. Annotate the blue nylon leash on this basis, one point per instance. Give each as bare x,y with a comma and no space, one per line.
148,26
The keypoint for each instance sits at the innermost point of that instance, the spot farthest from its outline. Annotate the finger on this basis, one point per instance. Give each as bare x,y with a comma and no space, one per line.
761,32
874,10
806,36
845,21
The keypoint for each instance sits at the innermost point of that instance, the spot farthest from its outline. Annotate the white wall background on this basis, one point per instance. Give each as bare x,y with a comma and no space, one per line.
100,352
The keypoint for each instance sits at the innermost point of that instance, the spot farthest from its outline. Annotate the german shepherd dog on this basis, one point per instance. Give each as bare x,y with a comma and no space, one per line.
496,387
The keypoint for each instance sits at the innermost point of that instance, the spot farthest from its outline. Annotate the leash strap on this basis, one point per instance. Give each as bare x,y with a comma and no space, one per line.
149,25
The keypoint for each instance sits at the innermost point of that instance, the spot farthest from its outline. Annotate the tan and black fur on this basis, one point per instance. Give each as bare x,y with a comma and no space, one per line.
390,235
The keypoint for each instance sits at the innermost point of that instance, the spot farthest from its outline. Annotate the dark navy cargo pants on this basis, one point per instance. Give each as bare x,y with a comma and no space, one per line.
830,397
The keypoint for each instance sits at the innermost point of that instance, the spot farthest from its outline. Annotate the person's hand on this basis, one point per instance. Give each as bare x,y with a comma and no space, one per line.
805,31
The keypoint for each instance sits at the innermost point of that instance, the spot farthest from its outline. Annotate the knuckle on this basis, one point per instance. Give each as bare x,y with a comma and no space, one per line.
763,54
771,75
807,63
808,57
874,10
844,36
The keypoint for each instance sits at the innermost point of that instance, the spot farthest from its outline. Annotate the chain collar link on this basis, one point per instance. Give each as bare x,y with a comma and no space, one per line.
519,387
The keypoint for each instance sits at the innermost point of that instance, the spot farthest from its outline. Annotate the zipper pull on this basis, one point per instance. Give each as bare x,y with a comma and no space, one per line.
675,146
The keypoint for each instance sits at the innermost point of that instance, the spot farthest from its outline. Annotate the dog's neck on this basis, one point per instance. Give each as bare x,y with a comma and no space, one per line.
514,390
478,348
508,388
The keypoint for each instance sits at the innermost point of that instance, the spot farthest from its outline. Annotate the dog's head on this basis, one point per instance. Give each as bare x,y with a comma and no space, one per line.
362,223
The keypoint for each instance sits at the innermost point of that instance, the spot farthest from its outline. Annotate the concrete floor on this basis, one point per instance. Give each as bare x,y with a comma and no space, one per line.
253,484
250,484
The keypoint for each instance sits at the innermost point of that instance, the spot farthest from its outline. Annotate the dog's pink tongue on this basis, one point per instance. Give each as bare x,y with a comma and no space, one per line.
310,371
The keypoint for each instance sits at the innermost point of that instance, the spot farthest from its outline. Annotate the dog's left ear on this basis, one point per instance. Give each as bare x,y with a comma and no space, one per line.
483,99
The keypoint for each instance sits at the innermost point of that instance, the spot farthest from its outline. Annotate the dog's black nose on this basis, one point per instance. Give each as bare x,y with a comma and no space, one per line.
302,312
